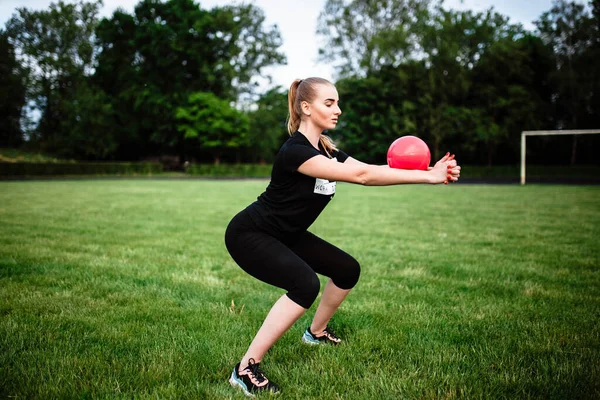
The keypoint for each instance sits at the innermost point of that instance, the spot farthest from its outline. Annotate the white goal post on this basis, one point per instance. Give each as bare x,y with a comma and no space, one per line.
524,134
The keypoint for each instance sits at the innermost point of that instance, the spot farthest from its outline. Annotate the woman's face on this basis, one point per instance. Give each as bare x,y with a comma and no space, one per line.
324,109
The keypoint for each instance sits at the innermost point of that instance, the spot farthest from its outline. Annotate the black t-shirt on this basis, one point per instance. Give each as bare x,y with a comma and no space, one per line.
293,201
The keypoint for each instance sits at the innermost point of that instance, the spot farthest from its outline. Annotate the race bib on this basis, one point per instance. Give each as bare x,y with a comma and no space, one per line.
323,186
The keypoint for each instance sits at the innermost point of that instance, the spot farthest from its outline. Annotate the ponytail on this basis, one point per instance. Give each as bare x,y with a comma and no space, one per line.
307,92
327,144
295,116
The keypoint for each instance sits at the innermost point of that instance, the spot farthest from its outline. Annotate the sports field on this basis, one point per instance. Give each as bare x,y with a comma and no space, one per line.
124,289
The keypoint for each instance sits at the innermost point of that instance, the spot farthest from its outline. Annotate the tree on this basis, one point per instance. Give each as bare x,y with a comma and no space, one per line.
56,47
212,124
152,61
118,75
12,94
268,125
572,33
413,73
362,36
590,58
251,44
375,113
510,83
453,44
88,132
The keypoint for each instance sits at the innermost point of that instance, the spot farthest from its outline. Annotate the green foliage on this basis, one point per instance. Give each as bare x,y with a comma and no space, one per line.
56,46
268,126
14,154
510,88
362,36
375,113
115,75
454,44
171,46
111,89
535,174
12,94
124,289
230,170
251,44
13,170
213,123
88,128
464,81
153,61
573,34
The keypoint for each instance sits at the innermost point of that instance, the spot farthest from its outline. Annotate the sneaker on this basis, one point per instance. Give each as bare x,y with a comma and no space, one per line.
326,337
252,379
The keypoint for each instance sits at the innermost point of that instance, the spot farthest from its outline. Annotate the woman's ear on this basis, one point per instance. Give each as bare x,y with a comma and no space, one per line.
305,108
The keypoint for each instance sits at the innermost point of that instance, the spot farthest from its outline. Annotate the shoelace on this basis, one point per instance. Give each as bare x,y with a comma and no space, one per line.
255,370
328,332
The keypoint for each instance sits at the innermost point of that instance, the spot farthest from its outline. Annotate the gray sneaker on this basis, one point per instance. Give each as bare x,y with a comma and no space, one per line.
326,337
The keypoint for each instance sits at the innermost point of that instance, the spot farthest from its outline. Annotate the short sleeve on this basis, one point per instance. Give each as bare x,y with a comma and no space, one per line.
340,156
295,155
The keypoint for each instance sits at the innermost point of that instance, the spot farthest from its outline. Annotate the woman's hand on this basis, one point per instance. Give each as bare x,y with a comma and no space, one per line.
446,170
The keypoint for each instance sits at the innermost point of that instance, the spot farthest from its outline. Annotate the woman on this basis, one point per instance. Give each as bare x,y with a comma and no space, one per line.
270,241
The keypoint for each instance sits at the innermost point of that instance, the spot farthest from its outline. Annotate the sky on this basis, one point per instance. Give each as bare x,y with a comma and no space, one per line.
297,22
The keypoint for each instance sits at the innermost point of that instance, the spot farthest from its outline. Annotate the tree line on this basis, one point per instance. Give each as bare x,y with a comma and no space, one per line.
175,79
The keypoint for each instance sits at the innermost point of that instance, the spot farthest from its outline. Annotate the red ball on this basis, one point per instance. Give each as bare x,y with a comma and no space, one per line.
409,152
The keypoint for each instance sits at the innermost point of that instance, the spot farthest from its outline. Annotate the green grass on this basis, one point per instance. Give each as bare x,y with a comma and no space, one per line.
124,289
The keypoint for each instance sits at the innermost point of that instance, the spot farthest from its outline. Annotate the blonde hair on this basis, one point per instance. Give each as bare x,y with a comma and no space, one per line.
306,90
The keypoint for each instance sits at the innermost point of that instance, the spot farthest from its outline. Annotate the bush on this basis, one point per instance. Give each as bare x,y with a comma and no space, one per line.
21,169
535,173
230,170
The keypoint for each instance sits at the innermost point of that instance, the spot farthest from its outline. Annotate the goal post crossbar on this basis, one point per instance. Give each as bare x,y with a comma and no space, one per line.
524,135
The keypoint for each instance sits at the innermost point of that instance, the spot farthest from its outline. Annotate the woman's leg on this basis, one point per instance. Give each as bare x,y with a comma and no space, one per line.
271,261
326,259
281,317
331,299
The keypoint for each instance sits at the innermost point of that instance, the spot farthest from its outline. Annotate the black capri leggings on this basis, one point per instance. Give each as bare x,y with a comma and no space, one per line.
292,265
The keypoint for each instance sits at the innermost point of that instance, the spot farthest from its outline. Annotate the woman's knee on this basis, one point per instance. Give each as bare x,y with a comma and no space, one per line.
306,290
348,274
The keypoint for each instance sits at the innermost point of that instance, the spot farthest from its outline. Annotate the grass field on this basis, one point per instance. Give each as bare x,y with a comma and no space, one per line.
124,289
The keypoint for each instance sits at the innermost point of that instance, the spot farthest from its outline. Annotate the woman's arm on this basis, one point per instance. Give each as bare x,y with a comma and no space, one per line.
351,160
355,171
